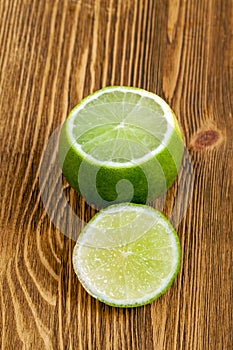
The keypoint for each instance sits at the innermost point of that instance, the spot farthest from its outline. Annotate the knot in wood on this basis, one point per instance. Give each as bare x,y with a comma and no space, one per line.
206,138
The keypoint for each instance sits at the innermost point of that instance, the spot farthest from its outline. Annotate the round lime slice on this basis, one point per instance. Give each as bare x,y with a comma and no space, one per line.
127,255
121,144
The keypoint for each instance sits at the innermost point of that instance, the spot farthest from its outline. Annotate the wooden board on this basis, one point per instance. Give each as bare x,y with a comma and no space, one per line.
55,52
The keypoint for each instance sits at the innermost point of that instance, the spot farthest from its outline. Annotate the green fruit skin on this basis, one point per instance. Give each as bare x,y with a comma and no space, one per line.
142,183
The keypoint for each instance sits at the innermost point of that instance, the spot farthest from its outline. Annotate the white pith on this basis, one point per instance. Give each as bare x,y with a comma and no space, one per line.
168,115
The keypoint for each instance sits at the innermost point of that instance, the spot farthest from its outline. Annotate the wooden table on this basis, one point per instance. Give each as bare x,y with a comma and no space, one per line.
55,52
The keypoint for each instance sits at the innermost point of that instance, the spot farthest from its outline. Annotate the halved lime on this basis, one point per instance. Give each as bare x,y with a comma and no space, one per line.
127,255
121,144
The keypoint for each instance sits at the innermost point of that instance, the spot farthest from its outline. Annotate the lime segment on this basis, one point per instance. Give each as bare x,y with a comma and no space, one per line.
127,255
118,115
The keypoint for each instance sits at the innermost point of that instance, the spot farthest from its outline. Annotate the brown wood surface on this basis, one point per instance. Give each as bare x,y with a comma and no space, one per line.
53,53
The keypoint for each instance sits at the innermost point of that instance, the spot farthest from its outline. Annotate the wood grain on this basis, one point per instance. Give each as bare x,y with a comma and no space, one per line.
52,54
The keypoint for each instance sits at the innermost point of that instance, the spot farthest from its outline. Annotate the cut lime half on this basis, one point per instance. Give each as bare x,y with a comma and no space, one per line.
127,255
121,144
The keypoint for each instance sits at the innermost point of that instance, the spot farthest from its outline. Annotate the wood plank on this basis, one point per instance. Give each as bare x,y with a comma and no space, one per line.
53,53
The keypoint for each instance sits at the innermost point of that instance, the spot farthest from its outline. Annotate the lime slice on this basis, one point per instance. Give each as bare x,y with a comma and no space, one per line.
127,255
121,144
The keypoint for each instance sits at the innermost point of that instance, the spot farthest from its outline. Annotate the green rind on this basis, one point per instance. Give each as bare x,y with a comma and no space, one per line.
156,296
98,184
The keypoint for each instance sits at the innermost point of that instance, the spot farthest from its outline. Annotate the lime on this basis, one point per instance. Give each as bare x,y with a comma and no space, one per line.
127,255
120,144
